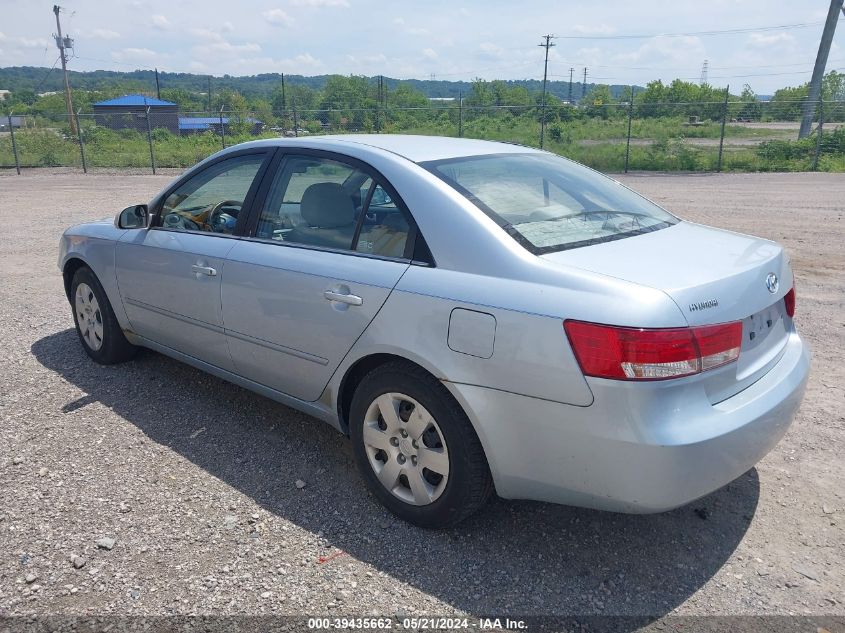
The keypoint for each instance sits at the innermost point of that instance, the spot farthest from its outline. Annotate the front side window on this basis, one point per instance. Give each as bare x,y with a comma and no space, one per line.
212,200
548,203
323,202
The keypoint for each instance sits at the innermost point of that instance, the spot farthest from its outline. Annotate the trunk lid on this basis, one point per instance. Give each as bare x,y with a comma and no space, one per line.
714,276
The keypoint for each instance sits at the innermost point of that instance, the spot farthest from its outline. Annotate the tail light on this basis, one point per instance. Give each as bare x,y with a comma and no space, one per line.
789,301
624,353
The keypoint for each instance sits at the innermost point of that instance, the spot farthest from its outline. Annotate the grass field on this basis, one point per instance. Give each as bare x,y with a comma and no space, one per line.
657,144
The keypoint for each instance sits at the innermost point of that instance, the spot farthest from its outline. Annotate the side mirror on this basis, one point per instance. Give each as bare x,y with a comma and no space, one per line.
134,217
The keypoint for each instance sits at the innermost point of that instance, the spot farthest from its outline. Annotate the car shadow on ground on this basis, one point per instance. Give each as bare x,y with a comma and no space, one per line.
512,558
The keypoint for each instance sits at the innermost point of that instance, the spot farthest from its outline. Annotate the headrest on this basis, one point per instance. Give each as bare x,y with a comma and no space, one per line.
326,205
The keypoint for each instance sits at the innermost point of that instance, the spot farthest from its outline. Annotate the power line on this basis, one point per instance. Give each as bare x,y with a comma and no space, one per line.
686,68
780,27
47,74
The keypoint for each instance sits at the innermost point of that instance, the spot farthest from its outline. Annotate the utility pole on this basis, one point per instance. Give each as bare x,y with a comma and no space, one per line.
62,43
571,71
547,45
460,113
158,87
722,133
209,94
284,100
809,109
584,84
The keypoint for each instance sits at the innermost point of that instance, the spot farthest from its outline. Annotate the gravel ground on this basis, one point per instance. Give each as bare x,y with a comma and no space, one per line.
152,488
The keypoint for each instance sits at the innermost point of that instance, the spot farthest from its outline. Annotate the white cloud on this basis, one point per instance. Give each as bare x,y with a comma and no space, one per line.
378,58
399,21
277,17
303,63
132,54
161,23
429,53
104,34
321,3
211,43
594,29
223,47
227,27
2,36
762,40
489,50
418,31
32,42
657,50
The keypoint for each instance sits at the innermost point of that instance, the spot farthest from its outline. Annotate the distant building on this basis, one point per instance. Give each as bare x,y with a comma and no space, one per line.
4,94
200,124
17,121
130,112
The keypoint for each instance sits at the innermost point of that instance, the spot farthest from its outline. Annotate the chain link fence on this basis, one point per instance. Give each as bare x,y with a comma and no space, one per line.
700,136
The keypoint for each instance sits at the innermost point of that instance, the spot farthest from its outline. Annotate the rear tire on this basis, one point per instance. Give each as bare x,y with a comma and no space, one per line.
97,327
416,448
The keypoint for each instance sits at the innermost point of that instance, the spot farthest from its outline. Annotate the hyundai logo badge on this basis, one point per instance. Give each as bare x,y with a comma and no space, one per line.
772,283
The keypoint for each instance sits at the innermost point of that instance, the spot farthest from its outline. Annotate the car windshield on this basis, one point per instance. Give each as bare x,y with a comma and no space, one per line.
548,203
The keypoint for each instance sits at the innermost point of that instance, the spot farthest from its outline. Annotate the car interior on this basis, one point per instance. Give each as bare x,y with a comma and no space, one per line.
312,201
321,202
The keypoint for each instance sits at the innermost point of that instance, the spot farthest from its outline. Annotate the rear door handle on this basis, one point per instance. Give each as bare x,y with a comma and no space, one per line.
204,270
353,300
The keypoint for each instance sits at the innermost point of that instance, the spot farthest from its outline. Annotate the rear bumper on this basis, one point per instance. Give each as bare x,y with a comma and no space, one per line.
639,447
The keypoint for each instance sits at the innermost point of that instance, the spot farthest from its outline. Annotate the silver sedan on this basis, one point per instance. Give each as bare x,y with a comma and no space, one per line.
476,316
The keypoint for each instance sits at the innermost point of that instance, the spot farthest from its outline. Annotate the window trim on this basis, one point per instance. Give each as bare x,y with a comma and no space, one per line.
249,199
277,164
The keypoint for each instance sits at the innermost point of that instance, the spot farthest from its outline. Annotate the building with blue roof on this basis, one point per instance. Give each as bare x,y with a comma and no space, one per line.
131,111
200,124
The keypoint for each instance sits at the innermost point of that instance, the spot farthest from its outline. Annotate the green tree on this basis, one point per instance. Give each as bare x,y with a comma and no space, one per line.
600,103
786,103
749,106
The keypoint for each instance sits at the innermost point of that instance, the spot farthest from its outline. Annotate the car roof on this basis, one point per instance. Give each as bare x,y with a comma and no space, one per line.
416,148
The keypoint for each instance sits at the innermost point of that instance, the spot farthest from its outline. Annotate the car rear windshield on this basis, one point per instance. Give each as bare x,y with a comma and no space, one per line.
548,203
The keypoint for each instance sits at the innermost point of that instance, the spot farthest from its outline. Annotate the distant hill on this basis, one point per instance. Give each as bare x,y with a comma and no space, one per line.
37,79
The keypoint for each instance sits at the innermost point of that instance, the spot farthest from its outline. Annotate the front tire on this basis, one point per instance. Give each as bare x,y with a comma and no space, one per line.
96,325
416,448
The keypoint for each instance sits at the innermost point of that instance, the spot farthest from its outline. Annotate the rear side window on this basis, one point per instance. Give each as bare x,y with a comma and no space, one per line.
548,203
384,229
313,201
323,202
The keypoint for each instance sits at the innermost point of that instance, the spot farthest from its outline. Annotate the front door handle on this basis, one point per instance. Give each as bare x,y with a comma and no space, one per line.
204,270
353,300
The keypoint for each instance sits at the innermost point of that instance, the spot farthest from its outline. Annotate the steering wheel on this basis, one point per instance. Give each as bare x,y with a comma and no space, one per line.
220,221
174,220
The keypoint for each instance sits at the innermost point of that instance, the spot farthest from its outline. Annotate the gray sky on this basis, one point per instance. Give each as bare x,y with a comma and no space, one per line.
454,39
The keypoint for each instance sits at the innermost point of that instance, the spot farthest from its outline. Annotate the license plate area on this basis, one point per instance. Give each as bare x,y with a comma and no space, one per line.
764,335
757,328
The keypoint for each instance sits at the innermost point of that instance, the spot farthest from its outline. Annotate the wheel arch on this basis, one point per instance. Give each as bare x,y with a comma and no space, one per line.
352,378
69,269
365,364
